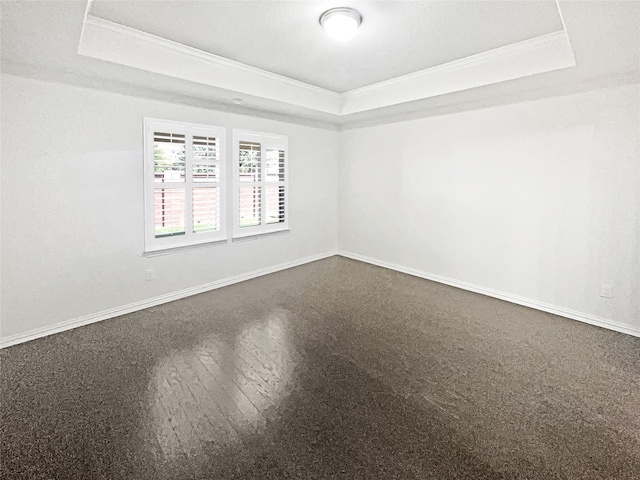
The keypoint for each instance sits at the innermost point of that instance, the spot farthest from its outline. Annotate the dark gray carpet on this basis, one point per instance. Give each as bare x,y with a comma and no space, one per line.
335,369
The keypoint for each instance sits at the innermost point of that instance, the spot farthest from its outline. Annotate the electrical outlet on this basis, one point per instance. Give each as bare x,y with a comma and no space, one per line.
150,274
606,291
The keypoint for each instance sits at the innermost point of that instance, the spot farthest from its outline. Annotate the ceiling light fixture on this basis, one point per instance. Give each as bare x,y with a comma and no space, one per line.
341,23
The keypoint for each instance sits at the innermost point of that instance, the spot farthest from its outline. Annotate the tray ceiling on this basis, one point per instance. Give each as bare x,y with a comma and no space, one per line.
284,37
67,41
261,32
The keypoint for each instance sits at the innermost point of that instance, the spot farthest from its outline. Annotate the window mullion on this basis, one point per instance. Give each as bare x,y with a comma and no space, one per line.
263,187
188,179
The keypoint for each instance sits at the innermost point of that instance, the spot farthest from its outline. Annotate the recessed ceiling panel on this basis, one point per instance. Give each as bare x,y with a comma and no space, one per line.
284,37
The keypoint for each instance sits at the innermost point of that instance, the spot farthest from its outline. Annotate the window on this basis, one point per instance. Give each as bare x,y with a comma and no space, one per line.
260,183
184,184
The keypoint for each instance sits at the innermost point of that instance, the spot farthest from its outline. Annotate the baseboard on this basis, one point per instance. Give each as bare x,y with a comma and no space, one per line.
527,302
152,302
169,297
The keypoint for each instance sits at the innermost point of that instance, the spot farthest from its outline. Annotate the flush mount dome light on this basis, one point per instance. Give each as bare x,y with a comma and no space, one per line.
341,23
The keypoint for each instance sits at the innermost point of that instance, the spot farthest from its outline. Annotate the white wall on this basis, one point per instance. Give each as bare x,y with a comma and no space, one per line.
72,204
539,200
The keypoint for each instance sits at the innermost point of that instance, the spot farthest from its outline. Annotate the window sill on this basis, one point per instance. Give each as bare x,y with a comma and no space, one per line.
182,248
255,236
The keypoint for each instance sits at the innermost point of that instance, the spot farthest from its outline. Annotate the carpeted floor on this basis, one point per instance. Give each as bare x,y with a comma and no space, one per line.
335,369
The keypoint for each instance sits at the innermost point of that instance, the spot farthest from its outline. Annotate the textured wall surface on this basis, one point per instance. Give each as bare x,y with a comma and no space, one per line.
72,203
539,199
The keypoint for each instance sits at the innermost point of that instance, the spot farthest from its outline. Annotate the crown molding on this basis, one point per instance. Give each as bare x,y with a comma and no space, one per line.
106,40
515,49
486,99
541,54
171,93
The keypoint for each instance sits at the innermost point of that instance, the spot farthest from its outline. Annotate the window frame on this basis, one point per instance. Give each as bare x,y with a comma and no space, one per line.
190,238
268,141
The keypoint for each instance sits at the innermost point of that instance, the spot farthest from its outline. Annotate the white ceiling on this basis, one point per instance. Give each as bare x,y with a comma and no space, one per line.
285,37
41,40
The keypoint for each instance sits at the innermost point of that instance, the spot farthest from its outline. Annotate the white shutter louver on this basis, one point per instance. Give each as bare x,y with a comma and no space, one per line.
275,191
206,166
250,197
275,204
206,209
169,157
261,183
250,206
185,167
169,212
249,165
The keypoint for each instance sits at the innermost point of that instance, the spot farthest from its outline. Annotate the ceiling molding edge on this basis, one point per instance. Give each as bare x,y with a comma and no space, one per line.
111,85
621,80
116,43
540,54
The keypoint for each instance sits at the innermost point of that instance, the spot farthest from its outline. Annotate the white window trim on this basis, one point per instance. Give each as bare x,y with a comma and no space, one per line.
153,244
267,141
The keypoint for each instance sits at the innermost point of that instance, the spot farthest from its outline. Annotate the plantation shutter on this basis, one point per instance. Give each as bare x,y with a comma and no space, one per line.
184,184
260,164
